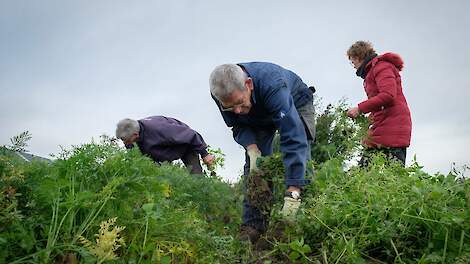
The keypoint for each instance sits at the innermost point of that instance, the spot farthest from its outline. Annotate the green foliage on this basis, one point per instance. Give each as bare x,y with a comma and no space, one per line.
337,135
219,161
20,142
296,250
391,213
168,213
384,213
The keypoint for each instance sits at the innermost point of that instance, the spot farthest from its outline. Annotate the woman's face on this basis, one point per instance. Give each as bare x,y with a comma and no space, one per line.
355,62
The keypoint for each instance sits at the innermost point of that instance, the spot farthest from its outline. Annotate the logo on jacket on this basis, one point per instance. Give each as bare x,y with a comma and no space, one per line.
282,115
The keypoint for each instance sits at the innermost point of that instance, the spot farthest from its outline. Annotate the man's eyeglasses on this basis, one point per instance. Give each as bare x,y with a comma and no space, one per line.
230,109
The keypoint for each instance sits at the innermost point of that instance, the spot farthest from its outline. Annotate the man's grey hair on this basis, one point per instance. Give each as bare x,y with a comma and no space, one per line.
126,128
225,79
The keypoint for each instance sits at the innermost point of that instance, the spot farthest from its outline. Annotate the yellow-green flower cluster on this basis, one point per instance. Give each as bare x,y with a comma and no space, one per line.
107,241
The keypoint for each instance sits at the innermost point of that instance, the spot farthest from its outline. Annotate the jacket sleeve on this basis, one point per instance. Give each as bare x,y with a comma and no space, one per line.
293,140
182,134
244,135
387,88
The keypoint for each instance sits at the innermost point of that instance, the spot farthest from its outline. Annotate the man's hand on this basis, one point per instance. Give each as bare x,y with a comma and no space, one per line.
354,112
209,159
254,153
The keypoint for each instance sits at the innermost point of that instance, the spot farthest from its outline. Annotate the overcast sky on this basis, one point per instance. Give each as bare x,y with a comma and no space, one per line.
70,70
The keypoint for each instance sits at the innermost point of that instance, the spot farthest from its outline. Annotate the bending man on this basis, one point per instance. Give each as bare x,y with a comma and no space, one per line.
256,99
165,139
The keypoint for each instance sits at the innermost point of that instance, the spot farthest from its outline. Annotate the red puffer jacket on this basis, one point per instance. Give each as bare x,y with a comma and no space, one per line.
390,115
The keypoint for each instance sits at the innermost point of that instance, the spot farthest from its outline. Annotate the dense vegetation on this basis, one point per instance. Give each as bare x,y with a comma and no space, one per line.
98,203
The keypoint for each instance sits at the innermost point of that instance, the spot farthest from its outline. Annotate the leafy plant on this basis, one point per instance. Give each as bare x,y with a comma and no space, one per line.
108,241
20,142
219,161
296,250
337,135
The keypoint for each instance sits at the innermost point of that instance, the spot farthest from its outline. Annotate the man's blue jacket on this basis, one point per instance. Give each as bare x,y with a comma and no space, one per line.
276,96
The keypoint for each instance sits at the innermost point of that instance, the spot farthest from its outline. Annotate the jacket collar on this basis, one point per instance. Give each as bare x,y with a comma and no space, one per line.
363,69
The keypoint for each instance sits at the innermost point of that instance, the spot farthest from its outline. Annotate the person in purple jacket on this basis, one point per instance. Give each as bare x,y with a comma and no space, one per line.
165,139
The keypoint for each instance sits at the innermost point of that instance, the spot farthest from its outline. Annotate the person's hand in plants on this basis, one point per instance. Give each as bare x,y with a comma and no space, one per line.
354,112
253,153
209,159
291,202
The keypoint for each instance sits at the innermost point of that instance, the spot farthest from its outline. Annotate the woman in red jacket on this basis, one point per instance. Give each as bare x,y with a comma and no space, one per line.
390,130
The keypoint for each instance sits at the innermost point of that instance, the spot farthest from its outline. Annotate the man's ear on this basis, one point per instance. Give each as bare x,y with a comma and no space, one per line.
249,84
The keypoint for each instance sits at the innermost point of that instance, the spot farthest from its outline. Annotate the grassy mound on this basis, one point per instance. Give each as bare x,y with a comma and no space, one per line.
99,203
381,214
139,212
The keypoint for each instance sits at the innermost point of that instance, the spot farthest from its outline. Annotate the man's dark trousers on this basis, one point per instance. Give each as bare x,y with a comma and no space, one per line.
191,160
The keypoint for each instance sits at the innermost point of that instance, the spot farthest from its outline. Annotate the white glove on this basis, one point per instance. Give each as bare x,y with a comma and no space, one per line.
290,208
254,154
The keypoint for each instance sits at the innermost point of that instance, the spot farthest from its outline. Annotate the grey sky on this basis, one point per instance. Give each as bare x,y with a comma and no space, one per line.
69,70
